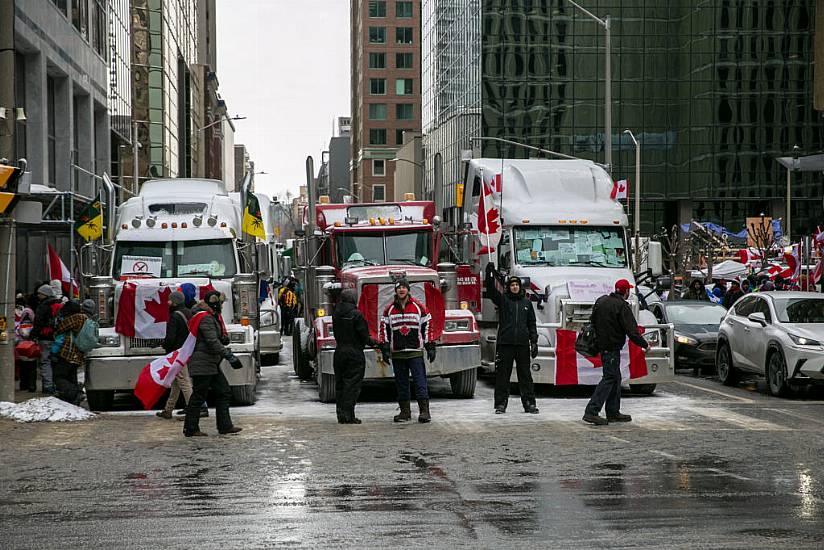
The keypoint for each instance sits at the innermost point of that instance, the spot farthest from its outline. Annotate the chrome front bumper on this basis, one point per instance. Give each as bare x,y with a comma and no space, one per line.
121,372
270,340
448,360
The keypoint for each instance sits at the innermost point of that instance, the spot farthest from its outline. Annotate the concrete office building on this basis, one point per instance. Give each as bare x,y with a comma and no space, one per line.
386,62
60,117
714,92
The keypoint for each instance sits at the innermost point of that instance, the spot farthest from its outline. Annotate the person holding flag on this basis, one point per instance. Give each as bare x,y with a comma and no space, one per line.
204,368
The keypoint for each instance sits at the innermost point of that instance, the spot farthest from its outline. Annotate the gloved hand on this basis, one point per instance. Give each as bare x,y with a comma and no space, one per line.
224,339
490,270
234,362
387,357
430,353
533,351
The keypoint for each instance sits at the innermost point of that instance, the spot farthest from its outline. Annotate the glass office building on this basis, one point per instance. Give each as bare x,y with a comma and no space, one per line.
714,91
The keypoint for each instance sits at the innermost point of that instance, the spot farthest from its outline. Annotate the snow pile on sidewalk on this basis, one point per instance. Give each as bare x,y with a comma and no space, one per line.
43,409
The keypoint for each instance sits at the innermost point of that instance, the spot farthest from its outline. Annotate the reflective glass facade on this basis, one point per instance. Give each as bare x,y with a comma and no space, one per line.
713,90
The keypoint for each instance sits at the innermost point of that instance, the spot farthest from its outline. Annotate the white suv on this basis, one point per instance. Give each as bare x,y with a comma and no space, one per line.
776,334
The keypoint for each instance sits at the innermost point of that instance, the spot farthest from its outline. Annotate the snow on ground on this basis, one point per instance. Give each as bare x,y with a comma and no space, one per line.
43,409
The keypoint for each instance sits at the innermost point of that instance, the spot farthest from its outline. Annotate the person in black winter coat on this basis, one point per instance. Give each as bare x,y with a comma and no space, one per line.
614,323
43,332
732,295
204,367
177,330
351,336
517,340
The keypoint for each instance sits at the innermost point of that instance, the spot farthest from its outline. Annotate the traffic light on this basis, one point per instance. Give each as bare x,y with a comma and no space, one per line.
9,178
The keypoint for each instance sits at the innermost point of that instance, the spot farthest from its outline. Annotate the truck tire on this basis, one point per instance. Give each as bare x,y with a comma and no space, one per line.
642,389
326,387
300,359
100,400
269,359
244,395
463,383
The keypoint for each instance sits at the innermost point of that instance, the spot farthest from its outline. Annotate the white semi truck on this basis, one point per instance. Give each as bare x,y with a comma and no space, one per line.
176,231
554,223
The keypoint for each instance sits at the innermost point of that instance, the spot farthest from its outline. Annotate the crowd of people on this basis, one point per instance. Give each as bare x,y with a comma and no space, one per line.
726,292
53,333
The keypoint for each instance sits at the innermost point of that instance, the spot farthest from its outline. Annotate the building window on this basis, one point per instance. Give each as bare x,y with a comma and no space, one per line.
403,35
377,8
403,10
61,5
403,111
403,86
378,193
399,135
51,130
80,17
377,86
403,60
377,136
99,32
378,167
377,60
377,111
20,99
377,35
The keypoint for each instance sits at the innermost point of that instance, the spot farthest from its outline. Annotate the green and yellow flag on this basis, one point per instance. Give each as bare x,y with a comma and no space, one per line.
252,218
90,223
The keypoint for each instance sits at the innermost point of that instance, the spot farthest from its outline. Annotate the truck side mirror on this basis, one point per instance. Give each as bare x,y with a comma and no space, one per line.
655,258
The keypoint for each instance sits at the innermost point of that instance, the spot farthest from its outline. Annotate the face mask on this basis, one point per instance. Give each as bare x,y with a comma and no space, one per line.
215,306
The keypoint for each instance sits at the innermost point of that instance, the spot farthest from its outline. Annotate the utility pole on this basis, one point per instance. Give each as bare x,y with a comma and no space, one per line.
8,242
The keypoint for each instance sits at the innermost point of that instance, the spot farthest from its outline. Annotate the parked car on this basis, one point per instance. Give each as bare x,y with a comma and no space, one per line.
696,331
776,334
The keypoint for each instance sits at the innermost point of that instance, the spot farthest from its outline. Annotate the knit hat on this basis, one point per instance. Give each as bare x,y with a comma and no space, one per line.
350,295
88,307
46,290
177,298
57,285
402,283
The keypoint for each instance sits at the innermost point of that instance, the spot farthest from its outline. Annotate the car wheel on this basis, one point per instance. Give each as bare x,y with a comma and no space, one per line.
777,375
727,373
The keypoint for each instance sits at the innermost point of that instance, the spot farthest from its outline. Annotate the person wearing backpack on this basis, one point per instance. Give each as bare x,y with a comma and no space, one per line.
43,332
66,356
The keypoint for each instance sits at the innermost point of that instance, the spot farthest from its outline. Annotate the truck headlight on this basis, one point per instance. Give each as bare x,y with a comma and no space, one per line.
109,340
456,325
237,337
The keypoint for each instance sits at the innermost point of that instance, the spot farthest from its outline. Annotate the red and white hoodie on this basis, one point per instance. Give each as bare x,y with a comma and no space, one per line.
405,328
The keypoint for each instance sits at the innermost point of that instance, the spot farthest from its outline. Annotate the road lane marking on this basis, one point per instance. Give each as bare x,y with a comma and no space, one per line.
716,392
740,420
665,455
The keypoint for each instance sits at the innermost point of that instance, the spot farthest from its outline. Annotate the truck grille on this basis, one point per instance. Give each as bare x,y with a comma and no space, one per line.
707,346
145,343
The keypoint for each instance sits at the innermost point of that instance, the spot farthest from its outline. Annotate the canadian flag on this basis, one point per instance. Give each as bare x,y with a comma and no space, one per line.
818,247
59,271
157,376
793,259
620,190
749,255
572,368
489,217
143,309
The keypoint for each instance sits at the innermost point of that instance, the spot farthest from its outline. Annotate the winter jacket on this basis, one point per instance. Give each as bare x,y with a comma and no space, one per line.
516,317
68,327
692,294
350,327
44,322
614,322
406,328
730,297
209,352
177,328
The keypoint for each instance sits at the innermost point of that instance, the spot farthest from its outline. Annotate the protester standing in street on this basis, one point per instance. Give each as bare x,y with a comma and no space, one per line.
204,367
43,332
517,341
733,294
351,336
696,291
288,302
25,359
177,330
66,358
405,336
614,323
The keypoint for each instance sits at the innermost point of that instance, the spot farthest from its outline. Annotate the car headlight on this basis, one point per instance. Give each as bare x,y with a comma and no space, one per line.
456,325
109,340
237,337
687,340
803,340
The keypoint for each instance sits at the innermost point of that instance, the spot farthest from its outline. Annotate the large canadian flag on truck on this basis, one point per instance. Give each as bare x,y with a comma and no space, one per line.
143,308
489,214
572,368
158,375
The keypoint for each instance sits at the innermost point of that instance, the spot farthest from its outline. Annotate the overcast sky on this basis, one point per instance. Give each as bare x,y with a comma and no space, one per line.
284,64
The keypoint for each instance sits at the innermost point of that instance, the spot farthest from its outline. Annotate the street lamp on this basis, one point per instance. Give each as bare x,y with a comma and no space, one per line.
637,214
418,164
220,119
605,23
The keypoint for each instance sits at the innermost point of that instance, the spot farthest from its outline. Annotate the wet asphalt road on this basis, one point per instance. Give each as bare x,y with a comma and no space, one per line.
701,466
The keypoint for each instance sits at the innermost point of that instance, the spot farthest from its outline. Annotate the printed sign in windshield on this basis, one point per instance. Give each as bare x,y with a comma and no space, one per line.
570,246
137,266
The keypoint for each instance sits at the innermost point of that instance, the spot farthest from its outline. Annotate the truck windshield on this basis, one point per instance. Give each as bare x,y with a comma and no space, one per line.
374,248
570,246
208,258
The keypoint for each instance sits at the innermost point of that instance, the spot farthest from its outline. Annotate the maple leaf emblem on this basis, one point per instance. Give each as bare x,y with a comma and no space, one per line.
492,225
159,310
404,330
162,372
